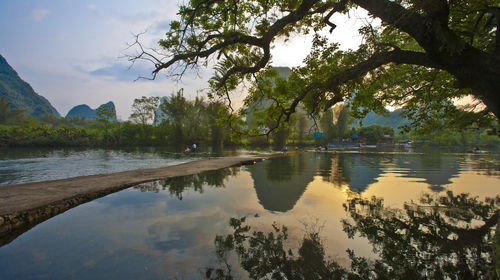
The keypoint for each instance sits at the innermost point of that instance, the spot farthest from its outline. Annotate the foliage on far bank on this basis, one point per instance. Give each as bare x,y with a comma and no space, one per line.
197,123
179,121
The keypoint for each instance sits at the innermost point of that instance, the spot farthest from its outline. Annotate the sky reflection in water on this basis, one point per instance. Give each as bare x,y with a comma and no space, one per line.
22,165
166,229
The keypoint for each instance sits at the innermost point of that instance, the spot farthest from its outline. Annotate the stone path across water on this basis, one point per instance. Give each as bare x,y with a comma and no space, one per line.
23,206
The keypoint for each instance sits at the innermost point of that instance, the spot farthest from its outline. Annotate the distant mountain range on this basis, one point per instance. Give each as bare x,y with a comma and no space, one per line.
20,94
84,111
393,119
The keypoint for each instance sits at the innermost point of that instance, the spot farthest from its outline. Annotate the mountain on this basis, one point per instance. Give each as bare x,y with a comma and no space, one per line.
393,119
20,94
159,117
284,72
84,111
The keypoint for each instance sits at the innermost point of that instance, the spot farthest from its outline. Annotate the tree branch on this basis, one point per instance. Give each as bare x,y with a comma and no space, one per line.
397,56
228,39
235,37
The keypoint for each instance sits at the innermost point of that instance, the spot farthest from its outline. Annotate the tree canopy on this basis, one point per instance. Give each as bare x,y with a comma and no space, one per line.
424,55
143,109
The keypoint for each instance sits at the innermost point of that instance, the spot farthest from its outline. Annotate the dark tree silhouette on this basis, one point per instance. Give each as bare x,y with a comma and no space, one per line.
425,53
450,237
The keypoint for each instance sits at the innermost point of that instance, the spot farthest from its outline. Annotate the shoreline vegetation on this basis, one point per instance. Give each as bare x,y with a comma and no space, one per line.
126,134
177,121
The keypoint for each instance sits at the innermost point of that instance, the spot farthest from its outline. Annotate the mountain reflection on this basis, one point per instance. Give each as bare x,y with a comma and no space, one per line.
177,185
280,182
447,237
436,169
358,171
488,165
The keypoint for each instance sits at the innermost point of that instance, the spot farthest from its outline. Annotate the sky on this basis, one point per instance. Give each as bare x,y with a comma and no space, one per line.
73,51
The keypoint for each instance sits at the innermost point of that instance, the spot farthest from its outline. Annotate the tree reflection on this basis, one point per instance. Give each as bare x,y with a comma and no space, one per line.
177,185
447,237
264,256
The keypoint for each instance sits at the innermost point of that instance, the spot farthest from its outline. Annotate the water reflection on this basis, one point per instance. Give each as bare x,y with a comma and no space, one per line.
280,182
445,237
436,169
166,230
359,171
448,237
488,164
177,186
356,170
22,165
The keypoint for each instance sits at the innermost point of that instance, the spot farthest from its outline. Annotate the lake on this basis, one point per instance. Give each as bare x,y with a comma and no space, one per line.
389,214
22,165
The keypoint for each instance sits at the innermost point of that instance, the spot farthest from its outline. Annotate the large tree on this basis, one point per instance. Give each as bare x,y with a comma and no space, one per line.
176,113
143,110
423,55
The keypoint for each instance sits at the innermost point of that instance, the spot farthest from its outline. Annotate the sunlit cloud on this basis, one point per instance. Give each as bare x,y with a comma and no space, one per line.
38,15
92,7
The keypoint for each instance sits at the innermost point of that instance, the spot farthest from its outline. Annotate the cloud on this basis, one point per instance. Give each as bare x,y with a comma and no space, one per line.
38,15
161,26
92,7
122,72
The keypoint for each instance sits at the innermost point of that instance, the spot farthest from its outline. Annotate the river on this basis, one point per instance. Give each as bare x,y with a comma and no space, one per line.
407,212
22,165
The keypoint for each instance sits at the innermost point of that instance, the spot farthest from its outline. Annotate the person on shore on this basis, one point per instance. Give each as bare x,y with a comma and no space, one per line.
187,150
285,149
194,147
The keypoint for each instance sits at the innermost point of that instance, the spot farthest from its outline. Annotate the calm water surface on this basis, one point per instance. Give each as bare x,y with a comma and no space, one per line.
407,206
22,165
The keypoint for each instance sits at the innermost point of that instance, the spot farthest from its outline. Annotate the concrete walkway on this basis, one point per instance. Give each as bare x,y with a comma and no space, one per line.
23,206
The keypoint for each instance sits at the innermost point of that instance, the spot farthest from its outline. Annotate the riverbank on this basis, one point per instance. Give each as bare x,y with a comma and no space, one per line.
25,205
